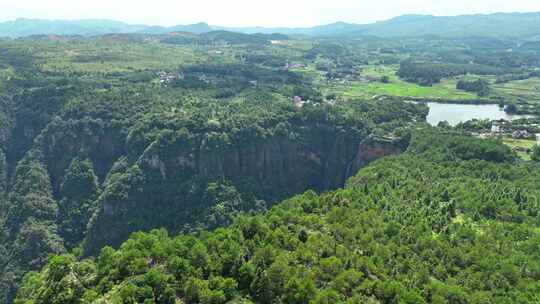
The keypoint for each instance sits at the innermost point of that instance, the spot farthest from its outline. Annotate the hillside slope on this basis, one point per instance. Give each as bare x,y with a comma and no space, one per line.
86,160
452,223
97,179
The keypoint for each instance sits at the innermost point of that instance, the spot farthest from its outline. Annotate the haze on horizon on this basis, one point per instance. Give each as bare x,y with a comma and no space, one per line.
276,13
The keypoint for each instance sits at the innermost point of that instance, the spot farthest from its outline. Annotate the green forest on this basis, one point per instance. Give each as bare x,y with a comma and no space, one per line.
451,223
212,166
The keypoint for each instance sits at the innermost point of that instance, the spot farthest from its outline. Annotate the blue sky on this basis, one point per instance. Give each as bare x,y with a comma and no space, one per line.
295,13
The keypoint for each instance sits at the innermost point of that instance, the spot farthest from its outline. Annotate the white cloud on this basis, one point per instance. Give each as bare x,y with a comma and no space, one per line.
250,13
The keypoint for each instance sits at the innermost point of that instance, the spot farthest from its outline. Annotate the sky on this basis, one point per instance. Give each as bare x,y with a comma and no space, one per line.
268,13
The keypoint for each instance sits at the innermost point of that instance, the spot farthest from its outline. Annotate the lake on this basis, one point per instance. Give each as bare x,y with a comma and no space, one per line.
456,113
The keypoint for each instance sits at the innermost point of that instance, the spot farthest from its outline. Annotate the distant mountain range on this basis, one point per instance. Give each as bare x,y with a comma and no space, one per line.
519,25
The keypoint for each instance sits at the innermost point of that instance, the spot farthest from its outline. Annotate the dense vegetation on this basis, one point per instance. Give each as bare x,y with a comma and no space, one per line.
439,224
202,164
97,145
106,136
536,153
431,73
479,86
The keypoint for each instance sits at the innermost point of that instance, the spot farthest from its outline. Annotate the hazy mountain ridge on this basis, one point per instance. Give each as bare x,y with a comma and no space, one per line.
523,25
91,27
499,24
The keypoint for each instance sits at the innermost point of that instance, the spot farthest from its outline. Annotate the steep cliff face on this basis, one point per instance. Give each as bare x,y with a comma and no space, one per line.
40,210
164,187
30,223
373,148
6,120
62,140
3,176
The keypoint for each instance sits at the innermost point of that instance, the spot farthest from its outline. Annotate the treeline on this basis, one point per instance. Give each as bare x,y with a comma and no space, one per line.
429,226
266,59
430,73
479,86
519,76
217,37
228,80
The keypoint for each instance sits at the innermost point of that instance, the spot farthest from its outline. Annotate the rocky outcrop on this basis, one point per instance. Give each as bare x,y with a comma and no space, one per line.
373,148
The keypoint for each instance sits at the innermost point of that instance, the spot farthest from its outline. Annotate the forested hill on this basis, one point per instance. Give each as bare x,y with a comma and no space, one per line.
501,25
453,220
515,25
518,25
102,137
106,136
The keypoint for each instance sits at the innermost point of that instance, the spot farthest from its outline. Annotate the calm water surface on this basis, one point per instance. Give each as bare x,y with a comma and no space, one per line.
456,113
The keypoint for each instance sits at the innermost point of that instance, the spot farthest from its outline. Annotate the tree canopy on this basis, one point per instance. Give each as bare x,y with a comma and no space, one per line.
406,229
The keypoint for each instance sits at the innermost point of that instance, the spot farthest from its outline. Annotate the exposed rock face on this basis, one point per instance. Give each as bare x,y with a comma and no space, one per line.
374,148
153,190
61,141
